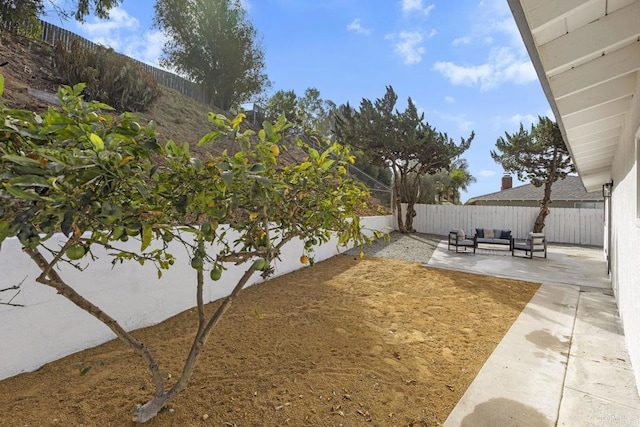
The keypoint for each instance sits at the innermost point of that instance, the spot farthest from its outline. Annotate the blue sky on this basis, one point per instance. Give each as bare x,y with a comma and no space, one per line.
462,62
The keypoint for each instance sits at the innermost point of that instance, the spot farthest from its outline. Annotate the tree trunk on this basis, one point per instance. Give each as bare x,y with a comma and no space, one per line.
538,226
410,214
161,397
50,277
149,410
412,193
398,203
398,181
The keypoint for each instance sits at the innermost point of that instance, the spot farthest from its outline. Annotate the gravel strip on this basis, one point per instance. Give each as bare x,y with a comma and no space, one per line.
414,247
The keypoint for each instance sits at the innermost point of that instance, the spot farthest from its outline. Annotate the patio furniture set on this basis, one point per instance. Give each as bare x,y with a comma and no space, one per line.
534,243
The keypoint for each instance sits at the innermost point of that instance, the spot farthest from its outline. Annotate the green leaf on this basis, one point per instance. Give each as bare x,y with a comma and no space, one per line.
268,129
30,181
326,164
20,160
210,137
4,230
304,166
257,168
227,177
67,223
280,123
1,84
263,181
147,234
21,194
96,141
102,106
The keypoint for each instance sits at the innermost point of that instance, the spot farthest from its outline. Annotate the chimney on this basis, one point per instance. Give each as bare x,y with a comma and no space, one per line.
507,182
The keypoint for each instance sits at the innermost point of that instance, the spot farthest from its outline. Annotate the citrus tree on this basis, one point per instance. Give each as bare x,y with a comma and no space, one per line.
79,178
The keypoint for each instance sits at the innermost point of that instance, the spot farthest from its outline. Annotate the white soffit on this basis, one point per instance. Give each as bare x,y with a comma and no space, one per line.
587,56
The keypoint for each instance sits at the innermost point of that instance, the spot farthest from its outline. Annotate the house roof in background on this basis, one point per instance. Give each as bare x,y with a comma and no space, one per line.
568,189
587,57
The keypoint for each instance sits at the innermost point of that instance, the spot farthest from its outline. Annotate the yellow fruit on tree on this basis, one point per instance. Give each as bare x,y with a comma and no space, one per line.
275,150
304,259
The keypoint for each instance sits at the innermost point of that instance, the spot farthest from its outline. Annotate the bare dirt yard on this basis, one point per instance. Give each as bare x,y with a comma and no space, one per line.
349,341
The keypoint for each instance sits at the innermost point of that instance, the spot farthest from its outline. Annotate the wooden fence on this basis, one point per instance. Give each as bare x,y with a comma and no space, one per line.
563,225
52,34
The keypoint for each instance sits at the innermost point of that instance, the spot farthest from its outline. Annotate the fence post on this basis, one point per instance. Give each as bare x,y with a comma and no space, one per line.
52,34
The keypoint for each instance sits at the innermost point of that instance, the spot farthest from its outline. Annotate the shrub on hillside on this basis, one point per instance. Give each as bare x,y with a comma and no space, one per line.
110,77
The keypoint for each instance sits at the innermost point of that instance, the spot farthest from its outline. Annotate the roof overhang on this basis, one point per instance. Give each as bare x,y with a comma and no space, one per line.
587,56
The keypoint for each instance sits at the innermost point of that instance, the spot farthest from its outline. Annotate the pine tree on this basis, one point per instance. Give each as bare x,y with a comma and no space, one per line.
539,156
402,141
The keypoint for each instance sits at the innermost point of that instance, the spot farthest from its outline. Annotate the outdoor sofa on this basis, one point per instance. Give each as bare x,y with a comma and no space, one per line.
494,237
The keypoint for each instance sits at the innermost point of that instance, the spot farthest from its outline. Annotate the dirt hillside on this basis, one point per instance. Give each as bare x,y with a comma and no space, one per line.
31,83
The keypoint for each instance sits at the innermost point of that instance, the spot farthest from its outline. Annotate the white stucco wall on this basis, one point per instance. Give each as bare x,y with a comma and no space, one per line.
49,327
625,238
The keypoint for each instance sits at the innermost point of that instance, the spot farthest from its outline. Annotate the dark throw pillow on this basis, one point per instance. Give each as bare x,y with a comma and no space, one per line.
480,233
505,234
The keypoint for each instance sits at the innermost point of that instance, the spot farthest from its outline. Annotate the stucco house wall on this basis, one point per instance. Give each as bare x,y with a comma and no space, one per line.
625,237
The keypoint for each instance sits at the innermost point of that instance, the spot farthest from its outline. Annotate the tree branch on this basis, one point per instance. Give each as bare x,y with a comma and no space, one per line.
50,277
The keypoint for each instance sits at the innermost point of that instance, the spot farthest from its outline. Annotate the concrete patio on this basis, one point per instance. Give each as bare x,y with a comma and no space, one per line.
564,361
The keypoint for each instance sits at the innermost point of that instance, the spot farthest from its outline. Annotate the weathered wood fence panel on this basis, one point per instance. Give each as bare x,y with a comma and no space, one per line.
563,225
53,35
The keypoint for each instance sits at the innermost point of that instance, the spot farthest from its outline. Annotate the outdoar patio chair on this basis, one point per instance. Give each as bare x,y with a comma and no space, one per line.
536,242
458,239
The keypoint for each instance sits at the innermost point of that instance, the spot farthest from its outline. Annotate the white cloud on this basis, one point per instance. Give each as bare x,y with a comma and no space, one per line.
485,173
489,23
408,46
118,20
527,119
409,6
432,33
449,100
121,32
460,120
358,28
146,48
501,66
461,40
512,123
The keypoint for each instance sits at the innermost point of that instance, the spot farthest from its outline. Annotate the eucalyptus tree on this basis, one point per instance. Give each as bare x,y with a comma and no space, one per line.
214,44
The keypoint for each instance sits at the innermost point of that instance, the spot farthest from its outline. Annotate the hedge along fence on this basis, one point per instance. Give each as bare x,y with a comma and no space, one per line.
52,34
563,225
49,327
